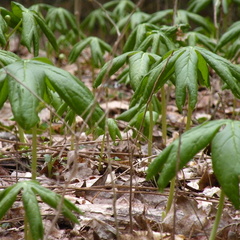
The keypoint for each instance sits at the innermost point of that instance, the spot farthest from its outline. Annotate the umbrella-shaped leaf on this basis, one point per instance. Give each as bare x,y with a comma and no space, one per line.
226,160
176,157
30,23
98,48
32,211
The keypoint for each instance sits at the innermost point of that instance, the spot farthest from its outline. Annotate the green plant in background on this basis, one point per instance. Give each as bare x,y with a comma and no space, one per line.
182,17
28,23
98,49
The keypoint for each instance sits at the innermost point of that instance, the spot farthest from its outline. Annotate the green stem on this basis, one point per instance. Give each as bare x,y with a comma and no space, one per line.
34,153
14,30
170,198
189,117
150,135
218,216
21,134
164,116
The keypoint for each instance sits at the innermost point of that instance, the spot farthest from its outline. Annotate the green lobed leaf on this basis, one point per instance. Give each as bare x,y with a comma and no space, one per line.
3,28
77,49
191,143
8,197
229,35
224,68
7,58
139,65
22,74
53,199
226,160
186,78
74,93
198,5
155,79
204,72
32,210
3,91
113,129
30,32
112,66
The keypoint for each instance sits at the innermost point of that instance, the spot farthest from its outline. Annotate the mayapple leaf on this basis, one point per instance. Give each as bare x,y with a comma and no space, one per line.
113,129
155,79
28,79
25,81
224,68
176,157
98,48
53,200
7,198
61,19
137,36
186,78
111,67
3,28
226,160
3,90
231,34
139,65
7,58
30,32
75,94
32,211
198,5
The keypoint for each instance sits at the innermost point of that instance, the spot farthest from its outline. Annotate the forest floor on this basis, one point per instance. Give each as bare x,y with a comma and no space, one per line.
108,181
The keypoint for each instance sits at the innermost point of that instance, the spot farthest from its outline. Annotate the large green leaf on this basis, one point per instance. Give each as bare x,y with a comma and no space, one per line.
27,78
139,65
226,160
25,81
75,94
176,156
186,78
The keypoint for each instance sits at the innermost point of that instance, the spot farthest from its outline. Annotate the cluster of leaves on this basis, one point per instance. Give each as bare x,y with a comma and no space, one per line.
153,55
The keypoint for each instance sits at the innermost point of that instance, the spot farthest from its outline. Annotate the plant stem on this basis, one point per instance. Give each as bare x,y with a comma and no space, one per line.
34,153
189,117
164,116
170,198
21,134
150,134
218,216
14,30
